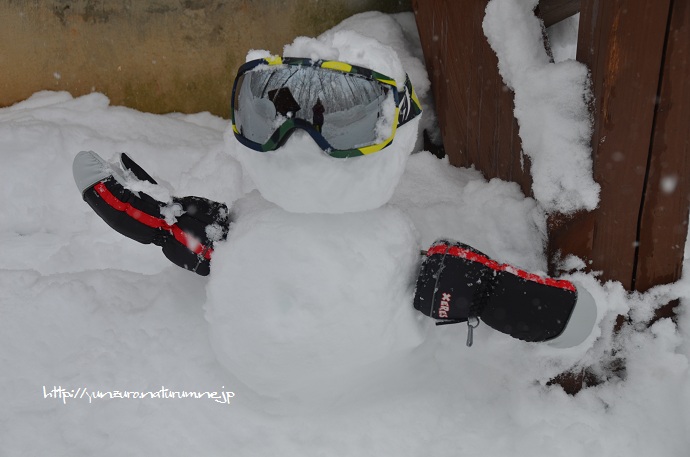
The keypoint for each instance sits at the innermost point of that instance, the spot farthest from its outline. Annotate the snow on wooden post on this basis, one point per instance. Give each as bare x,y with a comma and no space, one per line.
638,54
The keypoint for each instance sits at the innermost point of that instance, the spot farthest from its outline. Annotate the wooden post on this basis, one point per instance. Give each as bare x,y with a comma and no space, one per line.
638,56
664,213
553,11
473,105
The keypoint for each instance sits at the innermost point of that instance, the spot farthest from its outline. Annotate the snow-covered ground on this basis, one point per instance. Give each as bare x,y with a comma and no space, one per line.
83,309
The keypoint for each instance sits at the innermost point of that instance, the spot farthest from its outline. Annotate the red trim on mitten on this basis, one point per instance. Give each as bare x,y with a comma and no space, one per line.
474,257
154,222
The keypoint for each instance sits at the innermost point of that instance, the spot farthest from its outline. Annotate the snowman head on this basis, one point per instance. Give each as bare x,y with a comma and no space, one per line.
328,131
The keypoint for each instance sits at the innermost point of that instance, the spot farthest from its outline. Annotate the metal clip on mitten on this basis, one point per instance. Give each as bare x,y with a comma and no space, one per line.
187,241
472,323
458,283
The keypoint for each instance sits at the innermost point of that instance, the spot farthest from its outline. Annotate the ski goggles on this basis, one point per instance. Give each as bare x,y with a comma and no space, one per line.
349,111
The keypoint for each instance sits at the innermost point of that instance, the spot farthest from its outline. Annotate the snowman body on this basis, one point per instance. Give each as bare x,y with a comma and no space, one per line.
299,303
312,291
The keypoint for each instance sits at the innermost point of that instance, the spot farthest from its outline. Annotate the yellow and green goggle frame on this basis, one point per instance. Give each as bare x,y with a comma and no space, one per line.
407,106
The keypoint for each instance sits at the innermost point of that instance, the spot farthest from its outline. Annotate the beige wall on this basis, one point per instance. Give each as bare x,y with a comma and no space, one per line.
156,56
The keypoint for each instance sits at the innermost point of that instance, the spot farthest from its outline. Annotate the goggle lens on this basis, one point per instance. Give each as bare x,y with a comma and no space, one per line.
347,110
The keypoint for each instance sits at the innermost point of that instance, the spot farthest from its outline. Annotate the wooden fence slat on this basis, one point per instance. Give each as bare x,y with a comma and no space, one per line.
622,42
663,228
474,107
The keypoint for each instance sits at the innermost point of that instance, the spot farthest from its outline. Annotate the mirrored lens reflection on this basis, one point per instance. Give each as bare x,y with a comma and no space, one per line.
350,111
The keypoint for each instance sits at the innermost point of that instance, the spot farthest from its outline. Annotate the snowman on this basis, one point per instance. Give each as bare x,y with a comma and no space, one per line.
317,281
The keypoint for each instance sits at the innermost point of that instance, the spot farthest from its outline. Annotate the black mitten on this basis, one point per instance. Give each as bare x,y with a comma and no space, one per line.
457,283
185,228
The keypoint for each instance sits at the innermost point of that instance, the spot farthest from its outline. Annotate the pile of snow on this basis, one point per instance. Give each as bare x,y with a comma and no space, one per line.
550,107
83,309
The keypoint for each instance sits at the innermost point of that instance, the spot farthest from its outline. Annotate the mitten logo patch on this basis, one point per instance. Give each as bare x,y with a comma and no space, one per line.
445,305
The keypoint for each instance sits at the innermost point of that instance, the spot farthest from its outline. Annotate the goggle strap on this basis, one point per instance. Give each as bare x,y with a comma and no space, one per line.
409,103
